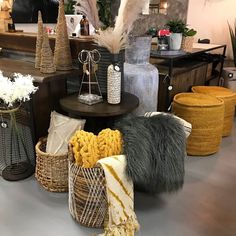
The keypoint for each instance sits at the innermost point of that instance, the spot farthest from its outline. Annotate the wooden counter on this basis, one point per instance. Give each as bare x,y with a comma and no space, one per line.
17,56
26,42
10,66
52,87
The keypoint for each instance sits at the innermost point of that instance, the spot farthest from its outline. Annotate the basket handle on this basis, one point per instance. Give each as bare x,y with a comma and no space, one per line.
70,154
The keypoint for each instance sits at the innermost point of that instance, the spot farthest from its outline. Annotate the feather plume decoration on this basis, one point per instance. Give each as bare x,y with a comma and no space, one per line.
90,10
128,13
115,39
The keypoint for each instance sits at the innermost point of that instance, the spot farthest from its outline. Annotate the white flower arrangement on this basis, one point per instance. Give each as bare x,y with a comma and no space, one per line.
16,89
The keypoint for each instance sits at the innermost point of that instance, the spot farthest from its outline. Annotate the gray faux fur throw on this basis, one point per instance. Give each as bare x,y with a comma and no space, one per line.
155,148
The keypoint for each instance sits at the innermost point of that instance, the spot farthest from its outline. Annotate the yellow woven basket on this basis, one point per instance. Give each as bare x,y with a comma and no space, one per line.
229,98
206,114
51,170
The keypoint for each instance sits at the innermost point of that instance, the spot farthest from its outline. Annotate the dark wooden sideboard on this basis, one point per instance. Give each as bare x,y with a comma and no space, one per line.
26,42
17,55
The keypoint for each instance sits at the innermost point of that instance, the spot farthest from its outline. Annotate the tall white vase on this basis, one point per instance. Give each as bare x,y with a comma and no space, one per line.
114,81
175,41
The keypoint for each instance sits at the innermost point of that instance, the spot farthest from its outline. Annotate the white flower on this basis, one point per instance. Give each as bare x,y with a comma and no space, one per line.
17,89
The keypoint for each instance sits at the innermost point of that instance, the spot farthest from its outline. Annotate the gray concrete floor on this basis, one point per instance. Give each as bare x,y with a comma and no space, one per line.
206,206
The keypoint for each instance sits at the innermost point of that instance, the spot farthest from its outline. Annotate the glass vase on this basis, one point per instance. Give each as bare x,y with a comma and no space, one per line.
114,80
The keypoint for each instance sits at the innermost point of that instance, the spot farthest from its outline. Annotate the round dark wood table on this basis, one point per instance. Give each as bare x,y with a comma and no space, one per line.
100,115
71,105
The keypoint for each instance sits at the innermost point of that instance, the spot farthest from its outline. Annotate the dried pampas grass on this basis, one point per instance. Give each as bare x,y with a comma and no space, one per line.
115,39
90,10
128,13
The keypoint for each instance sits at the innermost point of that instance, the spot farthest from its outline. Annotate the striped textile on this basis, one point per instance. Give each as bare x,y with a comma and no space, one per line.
187,126
120,196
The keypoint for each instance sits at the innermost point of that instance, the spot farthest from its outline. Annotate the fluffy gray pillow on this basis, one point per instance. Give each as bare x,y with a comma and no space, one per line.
155,148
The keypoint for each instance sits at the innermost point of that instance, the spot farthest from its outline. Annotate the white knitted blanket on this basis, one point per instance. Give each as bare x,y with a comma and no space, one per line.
121,216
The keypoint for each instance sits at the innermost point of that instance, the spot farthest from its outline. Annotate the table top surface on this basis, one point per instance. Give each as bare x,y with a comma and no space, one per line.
197,49
72,105
10,66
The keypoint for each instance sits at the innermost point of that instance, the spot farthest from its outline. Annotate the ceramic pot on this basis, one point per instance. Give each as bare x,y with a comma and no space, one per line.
175,40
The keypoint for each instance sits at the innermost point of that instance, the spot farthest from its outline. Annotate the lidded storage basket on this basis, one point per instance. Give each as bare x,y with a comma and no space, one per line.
87,194
229,98
51,169
206,114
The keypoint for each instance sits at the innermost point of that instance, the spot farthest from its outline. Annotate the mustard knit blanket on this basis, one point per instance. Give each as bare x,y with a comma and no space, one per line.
121,216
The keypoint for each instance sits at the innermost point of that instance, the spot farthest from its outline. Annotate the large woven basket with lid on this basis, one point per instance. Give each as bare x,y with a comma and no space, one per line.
206,114
229,98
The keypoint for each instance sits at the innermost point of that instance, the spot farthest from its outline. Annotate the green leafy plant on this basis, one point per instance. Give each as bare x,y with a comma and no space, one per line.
176,26
104,11
189,32
70,7
232,31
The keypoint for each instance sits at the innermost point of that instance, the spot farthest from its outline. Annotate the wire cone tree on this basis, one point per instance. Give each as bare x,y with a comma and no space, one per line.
39,41
47,66
62,53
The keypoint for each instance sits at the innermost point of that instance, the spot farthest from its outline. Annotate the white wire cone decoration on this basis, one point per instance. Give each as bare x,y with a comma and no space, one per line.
114,81
89,92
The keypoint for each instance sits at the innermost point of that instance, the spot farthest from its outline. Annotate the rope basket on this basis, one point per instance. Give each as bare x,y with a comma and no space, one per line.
206,114
187,44
87,194
229,98
51,170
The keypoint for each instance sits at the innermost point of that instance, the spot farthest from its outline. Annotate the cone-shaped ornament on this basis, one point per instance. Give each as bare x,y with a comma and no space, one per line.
39,41
47,66
62,53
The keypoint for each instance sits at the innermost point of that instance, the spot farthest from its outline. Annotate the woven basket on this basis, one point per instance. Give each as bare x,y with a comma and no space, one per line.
51,170
87,194
206,114
187,44
229,98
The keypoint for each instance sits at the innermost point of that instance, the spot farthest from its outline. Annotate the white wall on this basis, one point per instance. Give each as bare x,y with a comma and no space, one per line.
210,17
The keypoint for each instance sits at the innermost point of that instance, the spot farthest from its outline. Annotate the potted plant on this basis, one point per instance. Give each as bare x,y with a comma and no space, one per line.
232,32
70,7
176,28
188,38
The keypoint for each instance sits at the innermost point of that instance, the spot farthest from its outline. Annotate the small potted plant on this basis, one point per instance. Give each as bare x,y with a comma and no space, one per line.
176,28
188,38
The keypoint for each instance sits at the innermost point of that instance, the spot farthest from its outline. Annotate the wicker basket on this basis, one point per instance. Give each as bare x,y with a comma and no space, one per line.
229,98
187,44
87,194
51,170
206,114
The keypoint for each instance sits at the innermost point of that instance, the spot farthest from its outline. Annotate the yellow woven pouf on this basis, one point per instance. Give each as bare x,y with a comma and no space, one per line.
229,98
206,114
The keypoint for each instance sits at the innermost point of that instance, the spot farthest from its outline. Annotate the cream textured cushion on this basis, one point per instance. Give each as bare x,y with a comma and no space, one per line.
187,126
59,133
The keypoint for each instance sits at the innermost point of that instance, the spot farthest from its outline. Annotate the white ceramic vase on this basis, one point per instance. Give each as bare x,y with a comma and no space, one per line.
114,81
